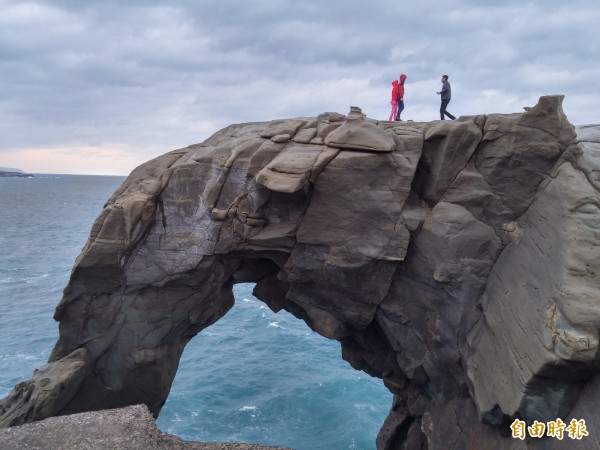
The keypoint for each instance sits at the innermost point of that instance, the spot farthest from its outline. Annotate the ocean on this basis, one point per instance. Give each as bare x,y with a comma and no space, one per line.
254,376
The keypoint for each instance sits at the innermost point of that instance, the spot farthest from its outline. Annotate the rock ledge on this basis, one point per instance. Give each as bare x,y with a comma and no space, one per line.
127,428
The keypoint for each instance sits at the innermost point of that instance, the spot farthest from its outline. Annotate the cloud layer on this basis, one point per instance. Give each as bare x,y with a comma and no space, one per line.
127,81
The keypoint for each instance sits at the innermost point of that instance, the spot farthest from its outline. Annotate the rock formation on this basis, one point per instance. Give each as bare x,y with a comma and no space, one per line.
456,260
130,428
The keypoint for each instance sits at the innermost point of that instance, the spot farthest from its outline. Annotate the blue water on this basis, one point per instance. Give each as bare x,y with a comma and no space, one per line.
254,376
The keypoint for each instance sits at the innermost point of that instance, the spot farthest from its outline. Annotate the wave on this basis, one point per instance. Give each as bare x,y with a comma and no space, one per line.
248,408
18,357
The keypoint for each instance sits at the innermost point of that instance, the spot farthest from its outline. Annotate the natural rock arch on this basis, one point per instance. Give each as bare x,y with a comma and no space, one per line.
441,255
258,370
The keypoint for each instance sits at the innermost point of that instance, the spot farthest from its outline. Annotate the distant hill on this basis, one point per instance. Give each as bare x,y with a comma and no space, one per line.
11,172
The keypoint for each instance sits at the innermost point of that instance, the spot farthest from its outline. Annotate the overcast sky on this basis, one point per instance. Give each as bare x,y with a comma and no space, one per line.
100,86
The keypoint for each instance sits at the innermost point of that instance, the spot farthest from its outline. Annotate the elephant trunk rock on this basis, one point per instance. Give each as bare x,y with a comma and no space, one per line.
456,260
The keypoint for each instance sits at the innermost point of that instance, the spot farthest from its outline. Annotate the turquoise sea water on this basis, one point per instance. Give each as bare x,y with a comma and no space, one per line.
254,376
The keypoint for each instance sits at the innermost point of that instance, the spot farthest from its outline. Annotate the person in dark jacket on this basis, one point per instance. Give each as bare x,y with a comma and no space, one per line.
400,96
446,95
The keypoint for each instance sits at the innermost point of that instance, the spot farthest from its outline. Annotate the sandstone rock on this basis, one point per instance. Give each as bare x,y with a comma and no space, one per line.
357,133
281,127
49,390
457,261
589,142
116,429
447,149
539,331
305,135
293,167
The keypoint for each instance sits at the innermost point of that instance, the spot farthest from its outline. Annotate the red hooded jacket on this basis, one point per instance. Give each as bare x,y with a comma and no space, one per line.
400,96
394,90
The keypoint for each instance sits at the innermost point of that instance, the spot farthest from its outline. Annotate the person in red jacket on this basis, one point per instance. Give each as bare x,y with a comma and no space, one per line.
394,101
400,96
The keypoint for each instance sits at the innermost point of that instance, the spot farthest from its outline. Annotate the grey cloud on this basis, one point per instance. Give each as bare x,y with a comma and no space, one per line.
145,73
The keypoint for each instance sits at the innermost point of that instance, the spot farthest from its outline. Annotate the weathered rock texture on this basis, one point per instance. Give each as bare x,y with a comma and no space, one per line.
130,428
459,261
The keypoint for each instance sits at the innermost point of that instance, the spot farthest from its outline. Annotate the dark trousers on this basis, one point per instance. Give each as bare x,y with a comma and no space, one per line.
400,109
443,109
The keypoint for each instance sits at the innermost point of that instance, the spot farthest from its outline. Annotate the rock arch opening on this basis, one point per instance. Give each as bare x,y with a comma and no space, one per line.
265,377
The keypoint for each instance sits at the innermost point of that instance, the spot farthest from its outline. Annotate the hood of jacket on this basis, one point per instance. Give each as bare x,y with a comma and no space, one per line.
395,83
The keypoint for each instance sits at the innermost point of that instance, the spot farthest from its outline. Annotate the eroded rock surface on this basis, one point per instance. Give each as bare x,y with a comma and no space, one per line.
130,428
458,261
